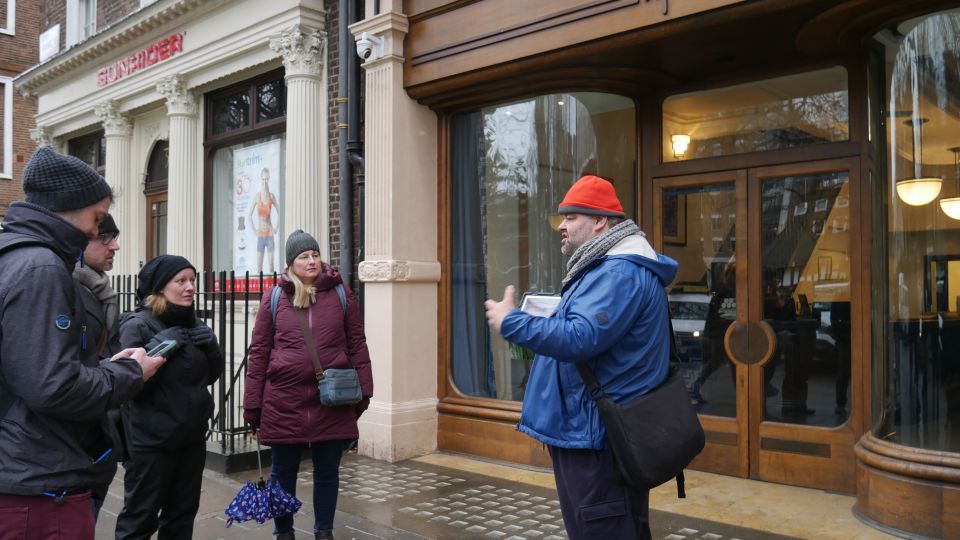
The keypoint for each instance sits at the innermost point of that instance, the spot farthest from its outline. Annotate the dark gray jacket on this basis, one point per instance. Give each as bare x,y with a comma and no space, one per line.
96,322
53,394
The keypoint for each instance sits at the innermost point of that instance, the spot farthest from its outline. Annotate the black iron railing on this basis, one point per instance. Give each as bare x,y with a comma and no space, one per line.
228,303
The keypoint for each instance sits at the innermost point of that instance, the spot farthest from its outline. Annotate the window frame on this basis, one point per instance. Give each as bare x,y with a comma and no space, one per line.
6,167
10,25
100,146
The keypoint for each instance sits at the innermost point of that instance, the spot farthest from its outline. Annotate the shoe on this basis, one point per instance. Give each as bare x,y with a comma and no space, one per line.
286,536
323,535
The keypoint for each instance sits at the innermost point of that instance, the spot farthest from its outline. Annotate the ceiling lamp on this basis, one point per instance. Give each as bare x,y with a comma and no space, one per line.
680,143
919,190
951,205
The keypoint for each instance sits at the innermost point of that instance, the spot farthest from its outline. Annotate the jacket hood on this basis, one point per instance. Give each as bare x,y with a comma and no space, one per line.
38,222
328,279
638,250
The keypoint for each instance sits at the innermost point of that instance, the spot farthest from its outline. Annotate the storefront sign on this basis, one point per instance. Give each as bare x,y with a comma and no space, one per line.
157,52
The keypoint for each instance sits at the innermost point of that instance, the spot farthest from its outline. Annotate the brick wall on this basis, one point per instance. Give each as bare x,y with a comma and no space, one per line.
111,11
20,52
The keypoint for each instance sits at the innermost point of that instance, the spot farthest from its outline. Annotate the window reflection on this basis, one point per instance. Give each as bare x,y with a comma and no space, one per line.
772,114
806,299
231,112
918,383
703,298
511,165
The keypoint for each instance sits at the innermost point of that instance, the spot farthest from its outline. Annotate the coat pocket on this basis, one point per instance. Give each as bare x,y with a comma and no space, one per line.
615,508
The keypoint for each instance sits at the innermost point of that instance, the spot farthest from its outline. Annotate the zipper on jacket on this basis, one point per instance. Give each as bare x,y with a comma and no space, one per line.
83,337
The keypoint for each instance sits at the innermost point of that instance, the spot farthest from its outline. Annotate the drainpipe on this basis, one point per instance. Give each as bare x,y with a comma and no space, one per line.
345,51
354,146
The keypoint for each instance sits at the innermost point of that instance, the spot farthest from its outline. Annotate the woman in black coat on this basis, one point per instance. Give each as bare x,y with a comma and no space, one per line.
167,421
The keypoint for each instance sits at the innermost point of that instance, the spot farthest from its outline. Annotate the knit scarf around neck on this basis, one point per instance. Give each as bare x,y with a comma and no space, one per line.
99,285
598,246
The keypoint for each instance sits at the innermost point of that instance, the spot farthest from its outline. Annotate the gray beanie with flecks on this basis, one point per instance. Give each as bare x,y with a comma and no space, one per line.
298,242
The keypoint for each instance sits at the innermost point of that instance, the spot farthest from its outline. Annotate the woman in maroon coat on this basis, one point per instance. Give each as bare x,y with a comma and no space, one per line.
280,396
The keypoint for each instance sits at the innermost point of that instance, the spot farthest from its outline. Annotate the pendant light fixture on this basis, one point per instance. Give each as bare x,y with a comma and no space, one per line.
918,190
951,205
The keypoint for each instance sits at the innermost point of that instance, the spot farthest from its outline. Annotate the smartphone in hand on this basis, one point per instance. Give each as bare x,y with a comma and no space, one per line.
164,349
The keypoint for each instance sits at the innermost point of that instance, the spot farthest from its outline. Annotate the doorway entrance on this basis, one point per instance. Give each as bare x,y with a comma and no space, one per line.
762,312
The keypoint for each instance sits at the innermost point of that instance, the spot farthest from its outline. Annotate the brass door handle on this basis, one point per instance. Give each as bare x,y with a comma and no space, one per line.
749,342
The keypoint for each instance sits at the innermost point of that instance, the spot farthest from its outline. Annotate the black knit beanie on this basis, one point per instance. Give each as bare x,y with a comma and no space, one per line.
298,242
155,275
108,226
58,182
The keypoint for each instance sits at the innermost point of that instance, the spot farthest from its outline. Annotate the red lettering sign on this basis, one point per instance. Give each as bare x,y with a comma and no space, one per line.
150,55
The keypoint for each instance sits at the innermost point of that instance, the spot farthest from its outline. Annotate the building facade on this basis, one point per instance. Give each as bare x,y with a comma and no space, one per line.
19,22
800,161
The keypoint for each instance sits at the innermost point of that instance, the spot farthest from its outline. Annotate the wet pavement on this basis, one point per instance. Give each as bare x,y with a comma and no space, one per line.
413,500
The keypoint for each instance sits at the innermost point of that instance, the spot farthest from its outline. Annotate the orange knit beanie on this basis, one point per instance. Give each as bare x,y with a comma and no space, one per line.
592,196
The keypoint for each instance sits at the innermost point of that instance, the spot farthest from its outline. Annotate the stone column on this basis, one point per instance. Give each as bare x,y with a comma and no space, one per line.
185,186
305,204
127,201
401,270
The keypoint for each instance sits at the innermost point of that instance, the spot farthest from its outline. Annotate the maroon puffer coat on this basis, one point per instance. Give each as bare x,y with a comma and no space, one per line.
280,390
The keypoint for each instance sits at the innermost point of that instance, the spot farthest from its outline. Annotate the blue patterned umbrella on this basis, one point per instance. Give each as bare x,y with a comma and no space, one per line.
261,501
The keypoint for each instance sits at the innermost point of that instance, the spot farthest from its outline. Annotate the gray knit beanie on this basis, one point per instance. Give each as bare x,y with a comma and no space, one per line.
298,242
58,182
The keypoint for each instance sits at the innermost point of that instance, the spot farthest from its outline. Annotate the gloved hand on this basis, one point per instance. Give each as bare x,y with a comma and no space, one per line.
201,335
361,406
252,418
176,333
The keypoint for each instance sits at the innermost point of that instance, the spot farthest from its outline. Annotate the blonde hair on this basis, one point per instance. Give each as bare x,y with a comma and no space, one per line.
304,295
157,303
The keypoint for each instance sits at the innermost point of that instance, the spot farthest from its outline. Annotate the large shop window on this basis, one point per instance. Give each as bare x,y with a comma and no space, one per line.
917,378
511,165
773,114
245,126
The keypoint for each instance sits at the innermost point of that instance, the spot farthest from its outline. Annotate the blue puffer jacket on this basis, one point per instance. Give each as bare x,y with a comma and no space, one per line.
613,315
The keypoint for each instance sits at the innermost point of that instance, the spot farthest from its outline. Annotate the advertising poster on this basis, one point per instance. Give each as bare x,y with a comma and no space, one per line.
256,176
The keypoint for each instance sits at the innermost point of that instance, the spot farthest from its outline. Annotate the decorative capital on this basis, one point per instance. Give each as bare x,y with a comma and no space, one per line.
180,101
302,50
43,136
115,123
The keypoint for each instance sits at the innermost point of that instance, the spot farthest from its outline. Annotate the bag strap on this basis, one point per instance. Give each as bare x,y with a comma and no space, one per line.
597,394
308,337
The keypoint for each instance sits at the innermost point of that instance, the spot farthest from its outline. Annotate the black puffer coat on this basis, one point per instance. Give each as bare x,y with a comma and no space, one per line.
174,408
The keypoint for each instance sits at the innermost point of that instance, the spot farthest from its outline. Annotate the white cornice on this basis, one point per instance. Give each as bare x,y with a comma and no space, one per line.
126,30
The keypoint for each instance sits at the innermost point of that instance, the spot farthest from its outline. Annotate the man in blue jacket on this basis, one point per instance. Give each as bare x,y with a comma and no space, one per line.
613,316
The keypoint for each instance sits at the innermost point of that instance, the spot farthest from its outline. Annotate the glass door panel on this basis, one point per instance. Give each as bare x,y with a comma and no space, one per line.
805,254
699,232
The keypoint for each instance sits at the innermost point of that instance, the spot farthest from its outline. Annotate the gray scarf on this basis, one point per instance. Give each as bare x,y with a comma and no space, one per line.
99,285
598,246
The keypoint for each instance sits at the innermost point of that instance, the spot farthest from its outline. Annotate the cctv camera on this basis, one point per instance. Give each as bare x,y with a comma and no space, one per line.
369,46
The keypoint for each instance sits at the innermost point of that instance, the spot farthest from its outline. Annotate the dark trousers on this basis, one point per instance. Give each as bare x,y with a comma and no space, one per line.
161,489
326,479
594,501
29,517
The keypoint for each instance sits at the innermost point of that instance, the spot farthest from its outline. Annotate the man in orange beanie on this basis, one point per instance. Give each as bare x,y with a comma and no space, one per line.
613,319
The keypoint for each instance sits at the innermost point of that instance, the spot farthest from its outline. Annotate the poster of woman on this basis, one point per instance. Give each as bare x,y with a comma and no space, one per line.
256,171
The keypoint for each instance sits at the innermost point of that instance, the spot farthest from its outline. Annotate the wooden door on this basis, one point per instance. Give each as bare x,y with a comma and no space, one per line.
156,224
762,310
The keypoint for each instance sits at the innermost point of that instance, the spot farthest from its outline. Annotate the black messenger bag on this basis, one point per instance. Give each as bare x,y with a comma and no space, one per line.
654,436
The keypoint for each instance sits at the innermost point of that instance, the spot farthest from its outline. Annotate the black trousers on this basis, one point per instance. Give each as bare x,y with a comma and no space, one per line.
161,490
594,501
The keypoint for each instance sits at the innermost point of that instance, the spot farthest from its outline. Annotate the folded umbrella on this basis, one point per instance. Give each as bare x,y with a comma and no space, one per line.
261,501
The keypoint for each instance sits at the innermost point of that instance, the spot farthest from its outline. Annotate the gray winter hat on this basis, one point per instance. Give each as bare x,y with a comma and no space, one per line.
58,182
298,242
